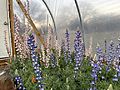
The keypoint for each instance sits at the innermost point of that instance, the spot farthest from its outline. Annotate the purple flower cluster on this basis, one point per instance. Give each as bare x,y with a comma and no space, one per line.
95,69
68,46
19,83
53,60
36,65
79,51
99,58
112,58
118,51
99,55
117,62
110,55
118,59
64,51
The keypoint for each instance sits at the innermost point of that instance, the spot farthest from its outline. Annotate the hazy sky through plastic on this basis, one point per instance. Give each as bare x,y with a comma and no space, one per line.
101,18
102,6
95,14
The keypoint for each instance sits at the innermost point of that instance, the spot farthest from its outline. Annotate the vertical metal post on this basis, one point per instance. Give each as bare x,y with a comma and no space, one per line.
11,16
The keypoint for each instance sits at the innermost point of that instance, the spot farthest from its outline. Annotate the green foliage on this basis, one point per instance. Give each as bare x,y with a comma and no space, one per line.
61,77
25,70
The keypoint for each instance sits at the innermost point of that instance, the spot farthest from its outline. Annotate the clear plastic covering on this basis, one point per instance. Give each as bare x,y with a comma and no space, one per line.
100,18
4,30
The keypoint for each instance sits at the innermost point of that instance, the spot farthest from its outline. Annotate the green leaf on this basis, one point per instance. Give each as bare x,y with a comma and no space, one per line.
110,87
16,72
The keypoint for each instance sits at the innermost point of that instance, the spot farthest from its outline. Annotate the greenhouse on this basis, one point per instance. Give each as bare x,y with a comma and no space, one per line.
59,45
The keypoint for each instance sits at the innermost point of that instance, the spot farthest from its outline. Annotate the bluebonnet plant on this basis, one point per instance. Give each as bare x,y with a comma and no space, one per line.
19,83
53,60
99,59
95,69
68,46
63,49
99,55
118,58
117,62
36,65
110,55
78,46
117,54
